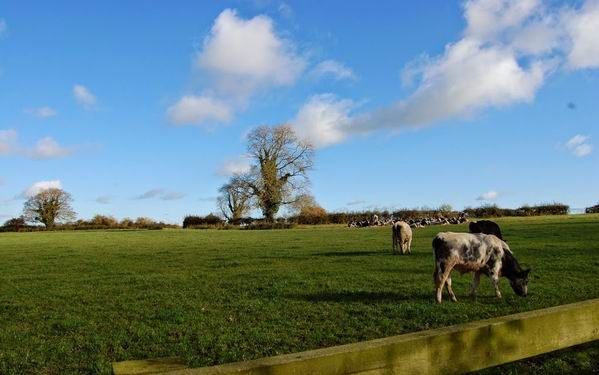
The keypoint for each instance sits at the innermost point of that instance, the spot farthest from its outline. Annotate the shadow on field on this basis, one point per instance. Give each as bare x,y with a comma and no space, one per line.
360,296
350,253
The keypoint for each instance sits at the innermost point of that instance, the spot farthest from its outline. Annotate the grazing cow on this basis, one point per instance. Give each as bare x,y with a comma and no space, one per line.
486,227
478,253
402,237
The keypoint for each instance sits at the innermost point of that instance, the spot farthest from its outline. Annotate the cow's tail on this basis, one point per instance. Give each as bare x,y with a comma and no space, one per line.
437,243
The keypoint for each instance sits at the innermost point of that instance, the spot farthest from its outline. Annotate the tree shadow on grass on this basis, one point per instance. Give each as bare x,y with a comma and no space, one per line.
361,296
357,253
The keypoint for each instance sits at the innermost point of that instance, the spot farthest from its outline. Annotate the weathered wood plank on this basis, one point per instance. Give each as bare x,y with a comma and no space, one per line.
455,349
148,366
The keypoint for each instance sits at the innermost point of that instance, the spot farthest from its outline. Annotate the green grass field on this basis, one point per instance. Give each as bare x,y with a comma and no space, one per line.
73,302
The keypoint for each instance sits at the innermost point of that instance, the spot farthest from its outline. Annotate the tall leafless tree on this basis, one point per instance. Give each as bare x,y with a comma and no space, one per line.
280,172
49,206
234,199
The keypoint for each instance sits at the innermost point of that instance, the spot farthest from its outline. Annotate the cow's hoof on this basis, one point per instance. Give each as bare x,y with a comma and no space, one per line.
453,299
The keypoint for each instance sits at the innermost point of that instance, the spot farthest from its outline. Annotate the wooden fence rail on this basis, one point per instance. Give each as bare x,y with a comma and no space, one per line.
456,349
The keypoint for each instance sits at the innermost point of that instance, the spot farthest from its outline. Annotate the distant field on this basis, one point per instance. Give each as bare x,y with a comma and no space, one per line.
73,302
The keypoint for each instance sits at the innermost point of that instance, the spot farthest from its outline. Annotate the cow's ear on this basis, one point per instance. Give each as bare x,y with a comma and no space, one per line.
526,272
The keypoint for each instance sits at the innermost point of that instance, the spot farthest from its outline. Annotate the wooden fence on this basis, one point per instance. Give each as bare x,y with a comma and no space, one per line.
456,349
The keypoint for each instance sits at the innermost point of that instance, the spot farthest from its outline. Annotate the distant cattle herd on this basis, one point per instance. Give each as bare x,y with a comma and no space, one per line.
412,222
481,251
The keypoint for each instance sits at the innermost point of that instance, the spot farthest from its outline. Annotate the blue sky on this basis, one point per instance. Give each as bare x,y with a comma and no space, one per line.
140,109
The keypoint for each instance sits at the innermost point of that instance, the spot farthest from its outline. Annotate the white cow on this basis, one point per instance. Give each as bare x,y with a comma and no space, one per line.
402,237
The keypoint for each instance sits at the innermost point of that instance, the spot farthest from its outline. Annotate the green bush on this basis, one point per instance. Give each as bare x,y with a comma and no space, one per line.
264,225
592,210
202,222
526,210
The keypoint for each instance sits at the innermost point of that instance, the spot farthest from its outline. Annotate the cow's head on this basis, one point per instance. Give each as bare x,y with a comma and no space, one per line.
519,283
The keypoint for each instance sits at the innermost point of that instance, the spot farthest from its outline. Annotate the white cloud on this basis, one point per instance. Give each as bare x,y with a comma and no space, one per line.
356,202
234,166
160,193
540,37
42,112
104,199
333,69
248,55
241,57
583,150
192,109
582,27
488,196
40,186
84,96
48,148
579,146
507,51
173,195
469,77
45,148
489,19
576,140
152,193
323,120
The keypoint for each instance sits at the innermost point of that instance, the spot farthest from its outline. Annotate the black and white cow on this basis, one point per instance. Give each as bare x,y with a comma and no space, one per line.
478,253
486,227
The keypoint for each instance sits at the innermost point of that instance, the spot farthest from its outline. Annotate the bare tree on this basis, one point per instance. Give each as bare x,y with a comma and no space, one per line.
282,163
235,198
48,207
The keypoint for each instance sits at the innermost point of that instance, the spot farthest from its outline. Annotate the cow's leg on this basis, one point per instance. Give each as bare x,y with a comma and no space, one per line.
449,290
410,246
475,282
443,273
495,281
494,274
437,278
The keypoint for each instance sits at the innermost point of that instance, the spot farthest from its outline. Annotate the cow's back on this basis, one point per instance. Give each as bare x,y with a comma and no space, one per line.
466,246
403,229
486,227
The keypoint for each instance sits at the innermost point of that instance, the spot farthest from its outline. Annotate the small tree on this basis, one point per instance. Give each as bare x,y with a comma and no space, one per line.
307,210
15,224
302,203
106,221
282,162
126,223
234,200
143,222
48,207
